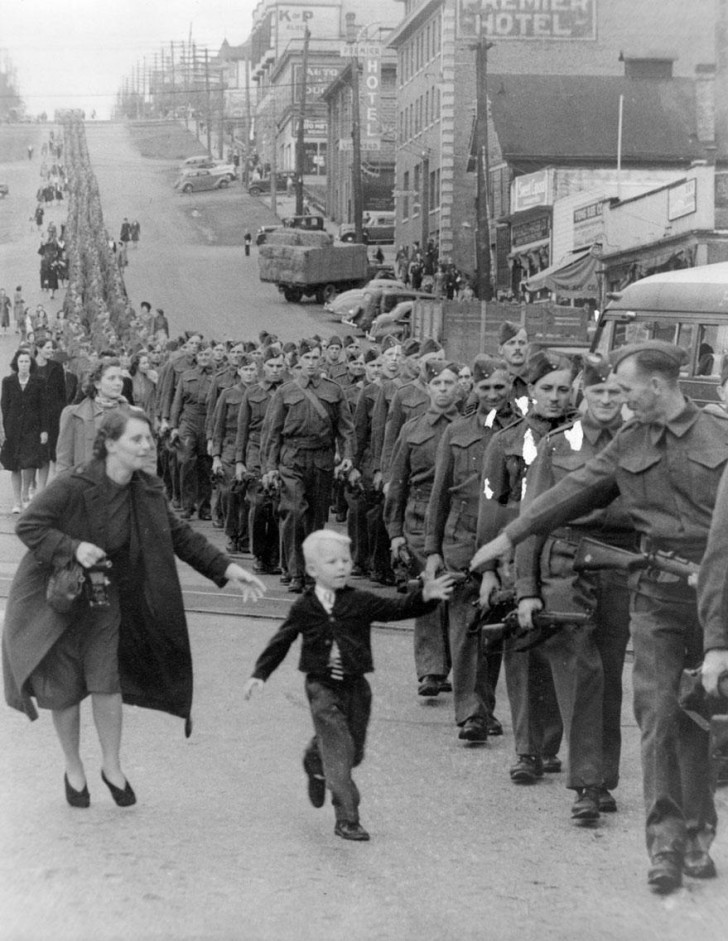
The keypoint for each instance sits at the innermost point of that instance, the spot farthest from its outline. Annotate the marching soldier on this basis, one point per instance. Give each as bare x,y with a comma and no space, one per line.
263,506
586,661
307,419
537,724
450,541
334,365
187,419
224,376
667,466
513,348
359,485
166,387
410,486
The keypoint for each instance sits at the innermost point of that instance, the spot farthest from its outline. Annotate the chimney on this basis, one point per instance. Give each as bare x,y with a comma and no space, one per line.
705,103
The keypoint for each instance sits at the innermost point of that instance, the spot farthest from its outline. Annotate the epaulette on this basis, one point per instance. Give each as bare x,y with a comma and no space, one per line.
562,428
717,411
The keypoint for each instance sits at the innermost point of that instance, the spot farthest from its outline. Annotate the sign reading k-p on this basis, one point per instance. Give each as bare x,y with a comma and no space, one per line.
528,19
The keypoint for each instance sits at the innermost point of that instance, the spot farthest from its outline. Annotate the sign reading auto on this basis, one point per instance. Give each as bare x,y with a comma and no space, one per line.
528,19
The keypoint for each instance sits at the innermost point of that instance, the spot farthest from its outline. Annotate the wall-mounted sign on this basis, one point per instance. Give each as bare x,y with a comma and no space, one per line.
526,233
682,199
291,22
531,190
318,78
556,20
588,224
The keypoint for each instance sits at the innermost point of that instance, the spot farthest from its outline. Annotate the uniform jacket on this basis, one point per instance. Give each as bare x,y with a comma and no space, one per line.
452,514
190,399
712,581
363,458
169,380
559,453
154,652
225,421
667,475
379,415
349,624
224,377
413,465
409,401
293,423
251,416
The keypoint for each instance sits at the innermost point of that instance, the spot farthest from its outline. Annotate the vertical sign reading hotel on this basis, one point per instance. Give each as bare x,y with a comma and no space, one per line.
370,96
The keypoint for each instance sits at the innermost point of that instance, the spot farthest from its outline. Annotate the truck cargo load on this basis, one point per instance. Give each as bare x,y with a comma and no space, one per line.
304,270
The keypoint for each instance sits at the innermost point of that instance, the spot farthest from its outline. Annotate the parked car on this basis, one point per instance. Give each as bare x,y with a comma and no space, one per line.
309,223
216,167
197,180
4,189
377,229
198,162
397,322
258,187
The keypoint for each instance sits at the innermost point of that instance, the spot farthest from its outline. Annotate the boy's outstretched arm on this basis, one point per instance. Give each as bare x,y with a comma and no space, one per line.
251,686
437,589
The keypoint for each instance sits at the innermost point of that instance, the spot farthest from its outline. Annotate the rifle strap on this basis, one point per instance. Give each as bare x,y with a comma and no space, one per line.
318,406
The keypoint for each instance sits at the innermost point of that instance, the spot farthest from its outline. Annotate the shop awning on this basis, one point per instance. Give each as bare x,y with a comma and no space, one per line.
574,276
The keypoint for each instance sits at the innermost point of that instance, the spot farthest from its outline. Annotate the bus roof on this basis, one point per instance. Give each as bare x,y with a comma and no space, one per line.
701,290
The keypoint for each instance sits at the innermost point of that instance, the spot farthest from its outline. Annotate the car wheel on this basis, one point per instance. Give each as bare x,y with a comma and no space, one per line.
348,237
328,292
254,191
187,188
293,295
224,182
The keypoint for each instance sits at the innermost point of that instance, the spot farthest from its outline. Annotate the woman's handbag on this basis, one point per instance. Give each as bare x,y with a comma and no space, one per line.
64,586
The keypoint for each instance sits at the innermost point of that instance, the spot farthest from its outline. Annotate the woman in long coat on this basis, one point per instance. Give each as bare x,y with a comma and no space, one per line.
136,649
51,373
24,412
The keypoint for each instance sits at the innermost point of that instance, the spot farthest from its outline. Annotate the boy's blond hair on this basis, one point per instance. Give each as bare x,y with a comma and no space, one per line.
312,543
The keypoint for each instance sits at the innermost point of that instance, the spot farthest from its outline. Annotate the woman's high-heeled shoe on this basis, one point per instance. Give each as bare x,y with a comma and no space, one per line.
124,797
76,798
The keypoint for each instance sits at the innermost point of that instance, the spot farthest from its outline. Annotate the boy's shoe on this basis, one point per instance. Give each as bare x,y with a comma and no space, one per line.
350,830
316,781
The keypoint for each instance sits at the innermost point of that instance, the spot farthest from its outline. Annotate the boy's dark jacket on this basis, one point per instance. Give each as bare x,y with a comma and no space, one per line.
349,625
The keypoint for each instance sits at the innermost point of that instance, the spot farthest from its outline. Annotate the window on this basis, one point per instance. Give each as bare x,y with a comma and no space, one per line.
427,108
416,188
434,199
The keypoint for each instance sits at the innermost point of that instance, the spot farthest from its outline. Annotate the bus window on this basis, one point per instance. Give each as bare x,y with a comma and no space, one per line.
685,338
712,349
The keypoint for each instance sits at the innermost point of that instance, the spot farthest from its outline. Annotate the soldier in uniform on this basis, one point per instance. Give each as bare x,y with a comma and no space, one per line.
334,364
586,661
410,485
537,724
262,506
224,435
667,466
224,376
187,419
359,486
306,421
407,369
166,387
513,348
450,541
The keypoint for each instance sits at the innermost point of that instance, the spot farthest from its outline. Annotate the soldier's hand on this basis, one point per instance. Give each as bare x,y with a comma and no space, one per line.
354,476
495,549
343,468
377,480
488,585
216,465
437,589
396,544
174,434
433,565
163,426
209,448
252,686
240,471
527,607
714,666
270,479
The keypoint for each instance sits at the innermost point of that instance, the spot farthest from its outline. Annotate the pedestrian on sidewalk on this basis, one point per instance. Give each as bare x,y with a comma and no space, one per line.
24,414
335,623
132,644
248,238
4,310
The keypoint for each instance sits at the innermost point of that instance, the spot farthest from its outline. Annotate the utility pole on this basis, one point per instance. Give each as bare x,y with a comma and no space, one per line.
174,86
301,138
482,251
425,199
208,107
221,135
356,188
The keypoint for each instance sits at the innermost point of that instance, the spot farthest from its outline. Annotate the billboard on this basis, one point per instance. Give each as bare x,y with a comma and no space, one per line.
559,20
291,22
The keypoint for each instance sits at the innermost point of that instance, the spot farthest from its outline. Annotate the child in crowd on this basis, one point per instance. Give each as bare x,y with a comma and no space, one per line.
335,623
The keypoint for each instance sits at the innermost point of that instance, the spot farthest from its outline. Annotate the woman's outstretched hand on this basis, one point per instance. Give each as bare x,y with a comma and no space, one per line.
252,588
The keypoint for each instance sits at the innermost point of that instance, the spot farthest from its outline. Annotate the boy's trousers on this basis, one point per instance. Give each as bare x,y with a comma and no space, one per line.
340,712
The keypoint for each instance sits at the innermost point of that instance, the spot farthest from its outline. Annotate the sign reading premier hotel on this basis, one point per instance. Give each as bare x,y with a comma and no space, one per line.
528,19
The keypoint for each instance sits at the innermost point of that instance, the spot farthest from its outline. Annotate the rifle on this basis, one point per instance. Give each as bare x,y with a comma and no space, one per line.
592,556
545,625
710,714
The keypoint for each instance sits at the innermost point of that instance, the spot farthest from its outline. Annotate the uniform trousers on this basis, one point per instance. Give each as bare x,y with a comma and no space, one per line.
232,506
667,638
306,480
357,528
474,673
432,654
195,469
611,637
263,524
340,710
380,561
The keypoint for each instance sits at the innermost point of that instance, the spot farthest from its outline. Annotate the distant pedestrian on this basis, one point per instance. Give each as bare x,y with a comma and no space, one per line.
135,232
248,238
30,151
125,233
39,213
335,622
4,310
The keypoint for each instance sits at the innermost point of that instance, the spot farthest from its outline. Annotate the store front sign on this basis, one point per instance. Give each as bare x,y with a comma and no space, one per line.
556,20
682,199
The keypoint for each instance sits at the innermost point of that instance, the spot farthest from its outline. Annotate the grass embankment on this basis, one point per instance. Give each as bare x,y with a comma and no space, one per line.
164,140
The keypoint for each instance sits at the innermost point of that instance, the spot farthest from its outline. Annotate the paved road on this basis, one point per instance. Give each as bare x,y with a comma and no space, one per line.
223,845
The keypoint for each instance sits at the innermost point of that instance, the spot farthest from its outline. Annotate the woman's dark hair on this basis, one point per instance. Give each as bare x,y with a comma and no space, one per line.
134,365
23,352
89,388
113,425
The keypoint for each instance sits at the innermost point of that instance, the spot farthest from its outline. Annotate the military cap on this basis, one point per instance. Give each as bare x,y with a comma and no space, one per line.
674,353
311,343
485,365
545,361
724,371
335,341
430,346
247,359
411,347
371,355
349,341
596,370
389,341
272,352
433,367
508,330
289,347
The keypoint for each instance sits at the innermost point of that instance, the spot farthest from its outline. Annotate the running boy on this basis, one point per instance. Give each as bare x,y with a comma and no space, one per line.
335,622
